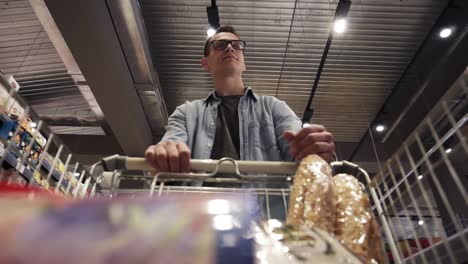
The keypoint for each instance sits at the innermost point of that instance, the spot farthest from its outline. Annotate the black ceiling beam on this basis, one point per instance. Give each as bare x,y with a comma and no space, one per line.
213,15
341,12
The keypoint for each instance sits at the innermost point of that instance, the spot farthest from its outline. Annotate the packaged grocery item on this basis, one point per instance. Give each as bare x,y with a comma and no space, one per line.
12,176
355,225
312,200
9,106
59,166
338,205
16,140
178,229
278,243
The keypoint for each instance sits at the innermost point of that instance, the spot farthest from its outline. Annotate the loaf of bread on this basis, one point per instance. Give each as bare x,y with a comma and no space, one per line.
312,201
355,225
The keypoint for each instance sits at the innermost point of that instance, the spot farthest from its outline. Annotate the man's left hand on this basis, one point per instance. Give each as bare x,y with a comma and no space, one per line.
314,139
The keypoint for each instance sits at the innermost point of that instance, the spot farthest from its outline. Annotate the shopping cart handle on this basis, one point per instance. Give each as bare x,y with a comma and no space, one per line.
117,162
345,167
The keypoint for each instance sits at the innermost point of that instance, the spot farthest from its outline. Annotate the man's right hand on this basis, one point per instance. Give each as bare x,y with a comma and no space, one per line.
169,156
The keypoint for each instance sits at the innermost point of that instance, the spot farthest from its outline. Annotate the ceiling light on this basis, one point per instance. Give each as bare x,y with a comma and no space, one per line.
445,33
340,25
448,150
420,222
76,174
380,128
420,177
33,125
210,31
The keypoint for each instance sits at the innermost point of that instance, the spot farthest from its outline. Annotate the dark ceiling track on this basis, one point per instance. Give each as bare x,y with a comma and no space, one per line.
213,15
341,12
286,49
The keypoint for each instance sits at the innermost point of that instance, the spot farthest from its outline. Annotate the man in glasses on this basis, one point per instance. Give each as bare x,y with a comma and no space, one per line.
233,121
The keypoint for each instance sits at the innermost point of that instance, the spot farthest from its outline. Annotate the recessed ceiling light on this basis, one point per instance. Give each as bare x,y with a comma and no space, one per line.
420,222
420,177
76,174
448,150
445,33
340,25
210,31
33,124
380,128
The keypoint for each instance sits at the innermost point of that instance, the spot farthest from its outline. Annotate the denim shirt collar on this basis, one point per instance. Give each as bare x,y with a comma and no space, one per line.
248,92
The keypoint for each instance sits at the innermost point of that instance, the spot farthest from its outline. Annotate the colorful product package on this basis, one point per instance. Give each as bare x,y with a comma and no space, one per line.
179,229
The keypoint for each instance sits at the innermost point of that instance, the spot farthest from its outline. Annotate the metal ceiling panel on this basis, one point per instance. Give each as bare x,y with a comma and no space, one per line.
27,53
362,67
82,131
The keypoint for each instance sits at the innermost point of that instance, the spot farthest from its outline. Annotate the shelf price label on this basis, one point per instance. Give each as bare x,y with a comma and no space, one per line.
20,167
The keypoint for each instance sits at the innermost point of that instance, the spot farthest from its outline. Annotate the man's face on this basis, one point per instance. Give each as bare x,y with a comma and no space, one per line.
226,61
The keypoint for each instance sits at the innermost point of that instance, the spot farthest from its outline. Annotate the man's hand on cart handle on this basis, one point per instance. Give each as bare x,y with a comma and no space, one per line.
314,139
169,156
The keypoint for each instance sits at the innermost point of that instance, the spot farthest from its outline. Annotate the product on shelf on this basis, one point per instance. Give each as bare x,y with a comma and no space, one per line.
41,179
9,106
59,166
16,140
12,176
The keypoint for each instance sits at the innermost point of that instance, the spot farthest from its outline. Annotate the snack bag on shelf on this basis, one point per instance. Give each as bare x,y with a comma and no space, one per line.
41,179
59,166
26,139
16,140
36,150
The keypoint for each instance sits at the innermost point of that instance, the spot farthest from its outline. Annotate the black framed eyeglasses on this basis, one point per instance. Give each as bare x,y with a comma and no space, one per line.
221,44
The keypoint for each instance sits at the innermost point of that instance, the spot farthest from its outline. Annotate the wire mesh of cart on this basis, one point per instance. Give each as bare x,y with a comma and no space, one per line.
268,181
419,194
421,190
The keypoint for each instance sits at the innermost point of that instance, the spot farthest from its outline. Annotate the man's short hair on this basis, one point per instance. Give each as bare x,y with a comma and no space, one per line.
228,29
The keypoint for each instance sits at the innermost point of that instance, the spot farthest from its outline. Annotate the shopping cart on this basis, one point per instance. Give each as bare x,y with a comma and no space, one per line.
269,181
419,194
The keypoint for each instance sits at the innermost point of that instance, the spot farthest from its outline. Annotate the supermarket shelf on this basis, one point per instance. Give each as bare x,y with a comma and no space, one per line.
25,171
46,165
4,118
13,162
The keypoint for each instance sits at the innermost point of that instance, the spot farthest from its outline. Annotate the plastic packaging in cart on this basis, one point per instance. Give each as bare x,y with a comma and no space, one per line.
186,229
278,243
355,224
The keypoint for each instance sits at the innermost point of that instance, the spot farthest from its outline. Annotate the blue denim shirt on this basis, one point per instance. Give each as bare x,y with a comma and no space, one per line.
262,121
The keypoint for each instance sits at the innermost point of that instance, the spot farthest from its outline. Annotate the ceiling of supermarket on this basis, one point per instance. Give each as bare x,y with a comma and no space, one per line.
105,75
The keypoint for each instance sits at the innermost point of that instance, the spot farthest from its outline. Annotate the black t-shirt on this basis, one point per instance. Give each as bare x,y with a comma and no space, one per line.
226,142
